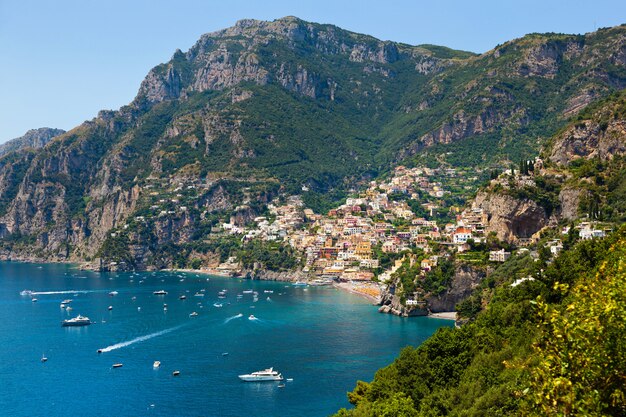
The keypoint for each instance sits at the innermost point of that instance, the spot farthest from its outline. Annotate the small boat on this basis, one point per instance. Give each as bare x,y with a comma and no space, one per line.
193,314
76,321
182,297
160,292
225,354
26,292
281,385
66,301
198,294
176,373
268,292
43,358
265,375
251,317
34,300
133,298
110,308
164,308
118,365
299,284
289,379
156,364
218,305
68,308
99,351
113,293
247,291
63,305
138,308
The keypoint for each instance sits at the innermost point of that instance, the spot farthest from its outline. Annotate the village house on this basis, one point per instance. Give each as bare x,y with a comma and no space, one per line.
499,255
461,235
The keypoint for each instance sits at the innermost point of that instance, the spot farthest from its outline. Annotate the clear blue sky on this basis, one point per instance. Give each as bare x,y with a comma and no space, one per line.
64,60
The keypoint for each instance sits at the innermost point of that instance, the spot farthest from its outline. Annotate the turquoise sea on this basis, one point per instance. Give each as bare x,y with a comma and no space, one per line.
323,338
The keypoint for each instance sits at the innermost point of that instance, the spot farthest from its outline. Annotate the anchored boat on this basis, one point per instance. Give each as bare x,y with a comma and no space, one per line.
265,375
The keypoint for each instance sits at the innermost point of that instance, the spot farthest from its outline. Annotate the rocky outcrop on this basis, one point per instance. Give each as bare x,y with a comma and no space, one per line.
569,201
390,303
34,138
465,280
601,137
511,219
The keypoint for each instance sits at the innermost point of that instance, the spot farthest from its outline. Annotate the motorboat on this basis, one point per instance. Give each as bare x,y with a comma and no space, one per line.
218,305
193,314
117,365
113,293
299,284
66,301
160,292
265,375
43,358
268,292
34,300
182,297
26,292
176,373
76,321
156,364
247,291
251,317
198,294
110,308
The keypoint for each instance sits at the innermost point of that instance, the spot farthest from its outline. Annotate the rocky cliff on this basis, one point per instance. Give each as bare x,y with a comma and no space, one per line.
464,280
34,138
510,218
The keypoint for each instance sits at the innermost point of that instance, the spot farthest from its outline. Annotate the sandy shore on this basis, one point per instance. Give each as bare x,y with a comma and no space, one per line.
371,291
447,315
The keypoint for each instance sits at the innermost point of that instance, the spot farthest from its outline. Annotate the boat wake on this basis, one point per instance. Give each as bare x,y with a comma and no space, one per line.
233,318
28,292
138,339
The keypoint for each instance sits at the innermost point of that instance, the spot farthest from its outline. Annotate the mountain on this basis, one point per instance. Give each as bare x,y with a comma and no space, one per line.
264,110
34,138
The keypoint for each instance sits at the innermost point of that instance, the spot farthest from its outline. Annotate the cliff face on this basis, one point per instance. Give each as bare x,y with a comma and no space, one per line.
34,138
510,218
463,282
600,133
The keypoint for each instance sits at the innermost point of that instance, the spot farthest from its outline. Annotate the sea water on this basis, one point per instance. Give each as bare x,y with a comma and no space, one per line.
322,338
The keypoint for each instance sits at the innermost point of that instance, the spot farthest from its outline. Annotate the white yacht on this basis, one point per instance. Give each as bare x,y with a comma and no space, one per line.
156,364
265,375
160,292
77,321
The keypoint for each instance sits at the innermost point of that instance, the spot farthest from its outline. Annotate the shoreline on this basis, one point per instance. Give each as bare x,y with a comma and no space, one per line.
445,315
362,290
